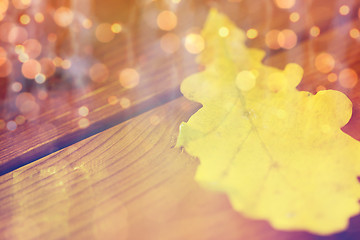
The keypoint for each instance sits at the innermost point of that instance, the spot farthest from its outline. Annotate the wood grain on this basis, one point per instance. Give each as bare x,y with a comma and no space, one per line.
127,182
55,124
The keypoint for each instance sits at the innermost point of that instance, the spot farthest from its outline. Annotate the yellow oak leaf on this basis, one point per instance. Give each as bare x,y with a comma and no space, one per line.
278,153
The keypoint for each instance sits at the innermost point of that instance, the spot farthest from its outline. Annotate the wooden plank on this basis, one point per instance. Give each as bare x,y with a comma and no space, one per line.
127,182
56,124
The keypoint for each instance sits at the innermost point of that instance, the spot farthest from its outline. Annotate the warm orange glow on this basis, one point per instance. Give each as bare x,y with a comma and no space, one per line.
314,31
344,10
129,78
52,37
21,4
66,64
26,103
103,33
3,56
348,78
252,33
5,68
294,17
194,43
170,43
320,88
47,67
287,39
354,33
63,16
17,35
31,68
4,4
99,72
285,4
167,20
332,77
20,119
2,124
324,62
32,48
271,39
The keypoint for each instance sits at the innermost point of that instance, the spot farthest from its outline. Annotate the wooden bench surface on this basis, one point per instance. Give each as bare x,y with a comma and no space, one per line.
120,175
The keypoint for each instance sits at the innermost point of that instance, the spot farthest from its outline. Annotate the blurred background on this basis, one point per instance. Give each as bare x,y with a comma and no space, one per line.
71,68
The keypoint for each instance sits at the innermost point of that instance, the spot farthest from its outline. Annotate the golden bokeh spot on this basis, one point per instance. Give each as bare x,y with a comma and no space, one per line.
294,17
320,88
83,123
83,111
348,78
354,33
314,31
324,62
63,16
194,43
30,68
287,39
285,4
99,72
245,80
24,19
332,77
271,39
112,100
20,119
87,23
125,102
224,32
66,64
129,78
344,10
252,33
116,27
39,17
103,33
57,61
166,20
170,43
